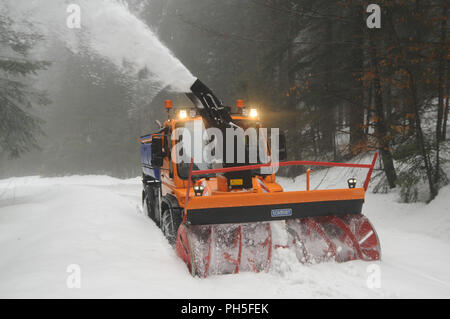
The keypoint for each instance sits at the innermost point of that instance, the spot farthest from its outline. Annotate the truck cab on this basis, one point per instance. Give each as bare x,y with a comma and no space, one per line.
166,170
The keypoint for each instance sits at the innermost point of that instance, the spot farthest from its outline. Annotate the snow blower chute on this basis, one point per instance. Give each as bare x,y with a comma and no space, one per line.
219,218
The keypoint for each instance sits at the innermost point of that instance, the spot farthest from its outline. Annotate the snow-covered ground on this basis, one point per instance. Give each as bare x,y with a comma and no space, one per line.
96,222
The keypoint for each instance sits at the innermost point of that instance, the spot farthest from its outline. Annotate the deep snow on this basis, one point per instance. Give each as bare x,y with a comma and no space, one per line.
47,224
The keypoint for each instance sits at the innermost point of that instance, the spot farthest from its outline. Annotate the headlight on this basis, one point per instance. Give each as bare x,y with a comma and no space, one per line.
253,113
351,182
182,115
198,190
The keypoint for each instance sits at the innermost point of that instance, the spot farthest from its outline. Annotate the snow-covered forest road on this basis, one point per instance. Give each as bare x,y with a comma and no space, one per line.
96,222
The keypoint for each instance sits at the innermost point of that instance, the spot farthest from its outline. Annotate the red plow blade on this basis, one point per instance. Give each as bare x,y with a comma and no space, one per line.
225,249
333,238
232,248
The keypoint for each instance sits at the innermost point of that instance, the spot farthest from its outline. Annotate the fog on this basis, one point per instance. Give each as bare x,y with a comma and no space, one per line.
338,83
102,77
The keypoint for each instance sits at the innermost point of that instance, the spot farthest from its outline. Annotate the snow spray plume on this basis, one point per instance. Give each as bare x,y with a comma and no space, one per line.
107,29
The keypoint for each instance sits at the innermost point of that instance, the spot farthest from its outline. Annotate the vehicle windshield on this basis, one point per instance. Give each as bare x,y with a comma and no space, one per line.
194,140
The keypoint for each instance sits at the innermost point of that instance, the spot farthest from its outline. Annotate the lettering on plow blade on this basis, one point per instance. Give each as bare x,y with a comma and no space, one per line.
283,212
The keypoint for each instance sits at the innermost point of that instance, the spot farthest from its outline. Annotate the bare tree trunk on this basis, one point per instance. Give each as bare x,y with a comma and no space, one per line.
328,118
421,139
381,128
417,121
441,84
357,136
444,125
389,102
369,108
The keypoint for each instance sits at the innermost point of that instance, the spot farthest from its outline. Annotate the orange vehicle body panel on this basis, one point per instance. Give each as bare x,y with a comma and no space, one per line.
261,199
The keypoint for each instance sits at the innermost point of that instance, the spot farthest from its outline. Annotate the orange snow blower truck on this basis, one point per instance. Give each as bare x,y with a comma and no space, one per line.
219,217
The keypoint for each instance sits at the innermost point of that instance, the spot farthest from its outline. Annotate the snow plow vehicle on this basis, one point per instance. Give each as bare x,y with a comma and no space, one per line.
219,216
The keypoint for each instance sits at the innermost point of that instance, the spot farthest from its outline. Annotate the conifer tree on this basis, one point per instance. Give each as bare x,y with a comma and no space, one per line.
18,128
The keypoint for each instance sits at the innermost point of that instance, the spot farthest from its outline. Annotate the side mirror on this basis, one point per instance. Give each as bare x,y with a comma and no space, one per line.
157,152
282,156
